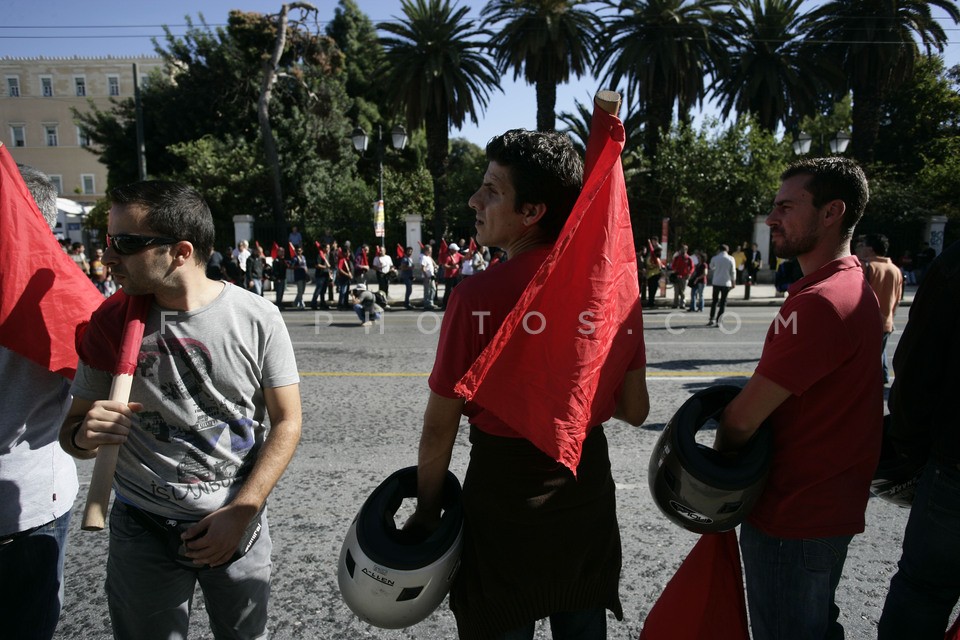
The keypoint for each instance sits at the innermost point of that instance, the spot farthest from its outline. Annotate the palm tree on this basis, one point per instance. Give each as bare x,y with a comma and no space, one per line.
436,62
546,40
665,49
875,42
773,74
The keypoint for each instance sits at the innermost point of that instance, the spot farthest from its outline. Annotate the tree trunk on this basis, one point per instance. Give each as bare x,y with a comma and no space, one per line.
438,137
867,100
546,106
263,107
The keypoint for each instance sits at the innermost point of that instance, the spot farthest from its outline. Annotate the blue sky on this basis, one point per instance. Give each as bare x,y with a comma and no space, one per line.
93,28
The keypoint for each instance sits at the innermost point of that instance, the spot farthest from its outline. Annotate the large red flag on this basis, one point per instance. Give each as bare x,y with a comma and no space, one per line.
43,295
704,598
568,320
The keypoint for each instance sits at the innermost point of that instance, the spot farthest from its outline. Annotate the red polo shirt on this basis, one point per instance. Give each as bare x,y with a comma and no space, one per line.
824,347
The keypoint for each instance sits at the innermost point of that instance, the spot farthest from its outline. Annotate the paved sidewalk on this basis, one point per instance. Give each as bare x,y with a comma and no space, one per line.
760,295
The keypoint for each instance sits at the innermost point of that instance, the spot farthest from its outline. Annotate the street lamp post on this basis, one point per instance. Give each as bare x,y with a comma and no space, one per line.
801,146
398,139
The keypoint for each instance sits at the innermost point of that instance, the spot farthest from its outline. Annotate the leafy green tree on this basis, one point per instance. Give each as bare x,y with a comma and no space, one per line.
920,120
437,63
357,38
468,163
772,74
874,40
546,41
664,50
200,120
713,183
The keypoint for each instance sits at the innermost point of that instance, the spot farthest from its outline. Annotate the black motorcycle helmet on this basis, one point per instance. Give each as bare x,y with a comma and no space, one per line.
695,486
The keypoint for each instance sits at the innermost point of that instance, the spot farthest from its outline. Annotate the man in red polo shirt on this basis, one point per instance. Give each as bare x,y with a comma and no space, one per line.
817,383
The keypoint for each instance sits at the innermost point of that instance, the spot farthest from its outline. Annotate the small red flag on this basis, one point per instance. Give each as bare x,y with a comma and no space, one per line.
317,243
421,245
256,243
473,246
110,340
273,251
43,295
704,598
292,249
576,329
444,252
400,251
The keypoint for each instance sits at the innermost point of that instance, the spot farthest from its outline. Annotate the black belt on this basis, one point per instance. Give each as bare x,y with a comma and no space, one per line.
20,534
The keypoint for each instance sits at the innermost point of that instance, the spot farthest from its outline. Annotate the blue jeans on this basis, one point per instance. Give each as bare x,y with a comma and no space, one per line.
696,297
365,315
31,581
408,289
590,624
926,586
429,291
791,585
150,594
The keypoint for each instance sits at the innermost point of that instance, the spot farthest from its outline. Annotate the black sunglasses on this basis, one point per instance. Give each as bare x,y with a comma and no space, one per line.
126,244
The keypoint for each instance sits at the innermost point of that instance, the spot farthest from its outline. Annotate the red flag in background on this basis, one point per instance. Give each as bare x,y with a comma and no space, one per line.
473,246
43,295
443,253
292,249
704,598
273,251
400,251
317,243
421,245
574,332
256,243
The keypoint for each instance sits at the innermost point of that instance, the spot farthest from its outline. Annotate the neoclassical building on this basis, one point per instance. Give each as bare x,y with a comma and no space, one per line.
38,127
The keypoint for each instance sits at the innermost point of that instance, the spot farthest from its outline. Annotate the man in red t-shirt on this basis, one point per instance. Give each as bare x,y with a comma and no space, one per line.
818,385
680,270
539,540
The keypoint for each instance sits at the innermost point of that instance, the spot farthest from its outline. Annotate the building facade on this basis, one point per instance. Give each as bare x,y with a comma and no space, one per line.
38,127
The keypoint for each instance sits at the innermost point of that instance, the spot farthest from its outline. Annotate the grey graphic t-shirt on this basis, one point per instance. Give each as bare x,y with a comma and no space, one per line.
200,377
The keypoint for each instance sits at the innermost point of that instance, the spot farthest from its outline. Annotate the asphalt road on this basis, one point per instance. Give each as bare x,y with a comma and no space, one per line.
364,391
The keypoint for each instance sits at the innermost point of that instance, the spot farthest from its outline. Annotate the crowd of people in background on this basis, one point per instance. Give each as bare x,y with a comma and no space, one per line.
339,271
334,267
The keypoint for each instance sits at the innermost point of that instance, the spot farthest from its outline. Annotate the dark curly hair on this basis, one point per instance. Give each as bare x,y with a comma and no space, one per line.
545,169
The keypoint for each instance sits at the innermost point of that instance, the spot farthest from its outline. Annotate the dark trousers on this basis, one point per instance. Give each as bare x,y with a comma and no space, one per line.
719,293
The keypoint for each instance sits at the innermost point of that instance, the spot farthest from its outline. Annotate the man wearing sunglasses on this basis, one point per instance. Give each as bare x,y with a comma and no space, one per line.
197,459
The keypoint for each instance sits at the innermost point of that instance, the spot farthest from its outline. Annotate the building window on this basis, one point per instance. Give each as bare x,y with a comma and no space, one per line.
18,135
50,132
89,184
113,84
46,86
13,86
83,138
58,183
81,84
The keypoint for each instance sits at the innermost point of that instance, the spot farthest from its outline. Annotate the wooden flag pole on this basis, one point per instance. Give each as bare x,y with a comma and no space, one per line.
101,483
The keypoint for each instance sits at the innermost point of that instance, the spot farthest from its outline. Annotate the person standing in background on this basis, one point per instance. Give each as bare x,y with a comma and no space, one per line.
38,480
